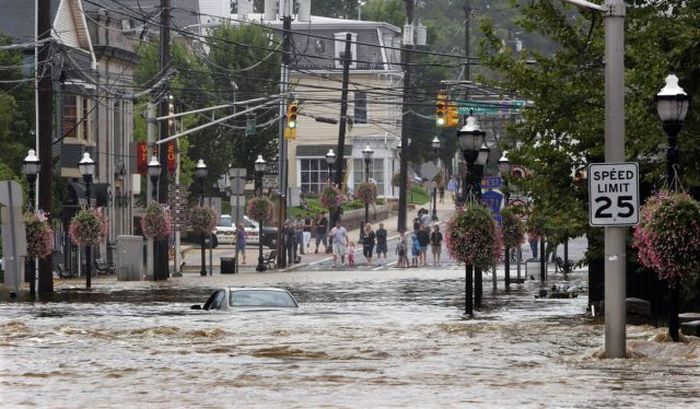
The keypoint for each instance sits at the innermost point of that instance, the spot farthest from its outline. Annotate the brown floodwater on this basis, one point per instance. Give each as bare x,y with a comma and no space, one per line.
391,338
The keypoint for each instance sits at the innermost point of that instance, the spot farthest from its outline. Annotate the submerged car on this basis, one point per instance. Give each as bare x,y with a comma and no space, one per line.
249,298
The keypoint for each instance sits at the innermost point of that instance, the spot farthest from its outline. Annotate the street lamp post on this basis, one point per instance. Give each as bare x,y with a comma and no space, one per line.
259,169
504,168
672,104
86,166
31,166
154,173
200,172
470,138
330,161
480,164
436,148
367,154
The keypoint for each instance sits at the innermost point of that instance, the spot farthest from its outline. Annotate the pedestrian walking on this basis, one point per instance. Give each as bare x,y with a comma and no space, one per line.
241,239
436,244
423,240
401,250
368,242
442,194
339,235
381,242
321,226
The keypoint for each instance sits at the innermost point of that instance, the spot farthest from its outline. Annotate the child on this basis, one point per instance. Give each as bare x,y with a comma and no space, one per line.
415,249
401,248
351,253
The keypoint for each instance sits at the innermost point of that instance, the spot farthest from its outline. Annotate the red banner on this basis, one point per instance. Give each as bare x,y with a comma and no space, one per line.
172,158
142,157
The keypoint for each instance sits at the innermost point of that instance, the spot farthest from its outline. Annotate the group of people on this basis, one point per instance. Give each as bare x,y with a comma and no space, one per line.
298,233
343,246
417,245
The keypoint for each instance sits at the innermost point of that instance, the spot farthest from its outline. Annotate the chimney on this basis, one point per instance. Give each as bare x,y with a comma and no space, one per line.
304,10
271,10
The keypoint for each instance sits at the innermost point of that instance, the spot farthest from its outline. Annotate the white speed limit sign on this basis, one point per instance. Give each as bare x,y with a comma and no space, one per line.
613,192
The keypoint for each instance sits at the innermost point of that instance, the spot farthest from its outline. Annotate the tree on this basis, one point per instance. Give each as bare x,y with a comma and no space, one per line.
563,129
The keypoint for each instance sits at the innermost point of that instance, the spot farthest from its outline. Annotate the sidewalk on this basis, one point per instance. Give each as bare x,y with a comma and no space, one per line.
444,212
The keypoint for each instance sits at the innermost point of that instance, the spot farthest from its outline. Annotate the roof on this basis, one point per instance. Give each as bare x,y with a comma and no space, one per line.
320,22
184,12
19,22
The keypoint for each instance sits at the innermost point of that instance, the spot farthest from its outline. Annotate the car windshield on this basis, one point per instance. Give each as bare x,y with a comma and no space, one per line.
261,298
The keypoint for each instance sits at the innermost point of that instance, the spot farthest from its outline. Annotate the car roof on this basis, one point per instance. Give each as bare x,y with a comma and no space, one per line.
282,290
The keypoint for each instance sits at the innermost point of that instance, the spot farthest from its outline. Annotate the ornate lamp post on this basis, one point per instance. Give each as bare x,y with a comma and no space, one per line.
154,174
504,168
260,165
436,148
31,166
470,138
86,166
672,104
481,158
200,172
367,154
330,161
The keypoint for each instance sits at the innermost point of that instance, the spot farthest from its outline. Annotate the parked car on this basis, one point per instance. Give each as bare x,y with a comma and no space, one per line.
249,299
226,231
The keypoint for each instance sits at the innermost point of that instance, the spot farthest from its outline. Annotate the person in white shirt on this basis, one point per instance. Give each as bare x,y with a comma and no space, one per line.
340,243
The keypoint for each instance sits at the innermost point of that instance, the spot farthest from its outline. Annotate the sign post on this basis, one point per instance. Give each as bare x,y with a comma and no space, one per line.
613,192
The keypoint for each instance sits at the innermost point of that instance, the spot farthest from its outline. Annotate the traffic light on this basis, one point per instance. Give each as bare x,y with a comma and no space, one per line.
452,115
171,111
441,109
292,110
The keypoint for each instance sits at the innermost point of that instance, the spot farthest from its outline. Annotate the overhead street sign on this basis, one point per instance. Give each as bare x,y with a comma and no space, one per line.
494,107
613,192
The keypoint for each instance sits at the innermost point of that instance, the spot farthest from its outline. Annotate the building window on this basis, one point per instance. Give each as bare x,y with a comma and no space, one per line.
360,104
314,175
70,116
376,172
340,50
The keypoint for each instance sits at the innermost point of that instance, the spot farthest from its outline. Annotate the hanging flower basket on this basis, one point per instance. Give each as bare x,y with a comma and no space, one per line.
88,228
156,223
473,237
202,220
331,197
513,228
260,209
667,237
366,192
39,236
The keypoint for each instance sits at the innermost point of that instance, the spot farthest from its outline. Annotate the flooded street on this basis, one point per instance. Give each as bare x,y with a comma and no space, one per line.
392,338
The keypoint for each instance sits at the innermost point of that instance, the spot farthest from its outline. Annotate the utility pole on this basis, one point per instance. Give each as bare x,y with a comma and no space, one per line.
45,132
161,247
467,39
340,158
403,163
284,87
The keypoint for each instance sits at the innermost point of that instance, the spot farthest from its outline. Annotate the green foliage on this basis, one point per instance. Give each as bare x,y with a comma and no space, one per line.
564,127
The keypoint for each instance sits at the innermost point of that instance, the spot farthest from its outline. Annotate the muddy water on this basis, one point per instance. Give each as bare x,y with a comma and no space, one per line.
389,339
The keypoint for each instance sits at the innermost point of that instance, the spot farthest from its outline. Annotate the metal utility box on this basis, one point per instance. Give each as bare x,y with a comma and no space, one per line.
129,258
